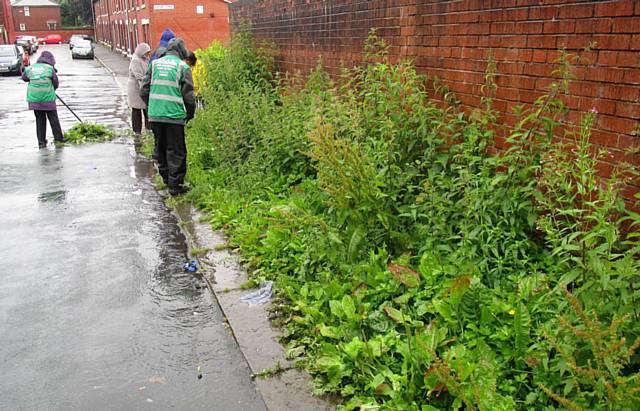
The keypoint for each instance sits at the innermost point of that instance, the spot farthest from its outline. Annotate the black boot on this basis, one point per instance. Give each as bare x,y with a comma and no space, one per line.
177,190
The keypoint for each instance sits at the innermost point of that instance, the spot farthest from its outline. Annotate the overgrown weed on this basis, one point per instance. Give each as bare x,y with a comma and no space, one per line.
415,266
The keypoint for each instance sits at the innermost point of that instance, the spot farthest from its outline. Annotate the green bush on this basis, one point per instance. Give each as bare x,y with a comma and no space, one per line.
416,267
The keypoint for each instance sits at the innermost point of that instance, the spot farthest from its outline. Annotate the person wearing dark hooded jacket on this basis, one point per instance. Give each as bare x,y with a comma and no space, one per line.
137,70
167,89
167,35
41,96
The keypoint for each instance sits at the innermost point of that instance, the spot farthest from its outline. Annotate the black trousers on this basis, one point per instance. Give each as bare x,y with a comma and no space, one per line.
136,120
172,152
41,126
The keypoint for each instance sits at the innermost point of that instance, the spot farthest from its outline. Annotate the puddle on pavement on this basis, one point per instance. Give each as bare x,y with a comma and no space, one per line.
94,301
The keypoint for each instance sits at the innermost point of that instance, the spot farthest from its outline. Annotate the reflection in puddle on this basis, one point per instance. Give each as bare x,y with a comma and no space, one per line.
55,197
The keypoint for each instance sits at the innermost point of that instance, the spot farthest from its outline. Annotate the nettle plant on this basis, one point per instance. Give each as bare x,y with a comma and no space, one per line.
416,266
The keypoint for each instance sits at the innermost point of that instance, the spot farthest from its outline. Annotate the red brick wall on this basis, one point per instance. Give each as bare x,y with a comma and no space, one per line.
37,19
198,30
65,33
452,39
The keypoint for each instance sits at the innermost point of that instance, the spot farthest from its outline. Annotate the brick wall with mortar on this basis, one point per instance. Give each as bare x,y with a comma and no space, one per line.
123,24
38,19
452,39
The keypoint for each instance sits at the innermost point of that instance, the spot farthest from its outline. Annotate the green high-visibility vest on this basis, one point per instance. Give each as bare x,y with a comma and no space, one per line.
40,89
165,96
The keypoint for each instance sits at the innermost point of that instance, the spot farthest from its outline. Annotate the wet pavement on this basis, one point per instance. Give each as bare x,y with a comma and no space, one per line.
95,309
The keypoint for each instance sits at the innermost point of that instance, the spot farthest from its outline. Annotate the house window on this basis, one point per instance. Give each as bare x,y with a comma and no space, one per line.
145,32
26,11
52,25
23,27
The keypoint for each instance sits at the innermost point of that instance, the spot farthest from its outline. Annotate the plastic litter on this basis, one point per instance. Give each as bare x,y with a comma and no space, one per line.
260,296
190,267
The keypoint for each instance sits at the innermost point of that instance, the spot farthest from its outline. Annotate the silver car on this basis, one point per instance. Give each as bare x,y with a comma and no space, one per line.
10,59
83,49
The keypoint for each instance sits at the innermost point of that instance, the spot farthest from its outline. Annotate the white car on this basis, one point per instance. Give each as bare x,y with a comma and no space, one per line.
83,49
75,38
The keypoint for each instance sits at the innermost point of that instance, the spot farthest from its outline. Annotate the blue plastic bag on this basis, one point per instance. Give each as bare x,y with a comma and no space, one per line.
190,267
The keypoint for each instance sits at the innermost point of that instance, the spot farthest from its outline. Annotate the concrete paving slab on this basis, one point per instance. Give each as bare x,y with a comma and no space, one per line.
258,339
282,392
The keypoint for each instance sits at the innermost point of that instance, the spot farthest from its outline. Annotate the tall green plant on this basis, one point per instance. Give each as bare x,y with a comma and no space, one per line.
416,266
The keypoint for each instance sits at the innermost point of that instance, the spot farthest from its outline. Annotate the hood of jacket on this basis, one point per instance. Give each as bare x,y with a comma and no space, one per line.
177,47
142,49
47,58
167,35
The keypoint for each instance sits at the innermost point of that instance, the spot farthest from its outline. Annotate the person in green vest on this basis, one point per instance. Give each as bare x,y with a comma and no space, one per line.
167,89
41,96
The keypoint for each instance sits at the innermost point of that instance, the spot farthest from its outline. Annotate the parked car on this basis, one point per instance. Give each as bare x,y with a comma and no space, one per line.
25,44
10,59
52,39
83,49
34,42
75,38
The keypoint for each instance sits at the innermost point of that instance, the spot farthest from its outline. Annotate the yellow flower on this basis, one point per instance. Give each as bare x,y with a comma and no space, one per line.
512,312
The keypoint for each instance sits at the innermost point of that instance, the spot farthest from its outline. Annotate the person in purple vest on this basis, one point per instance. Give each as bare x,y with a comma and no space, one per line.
41,96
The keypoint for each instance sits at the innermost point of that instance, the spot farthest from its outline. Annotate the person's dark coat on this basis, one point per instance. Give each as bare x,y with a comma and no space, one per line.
176,47
47,58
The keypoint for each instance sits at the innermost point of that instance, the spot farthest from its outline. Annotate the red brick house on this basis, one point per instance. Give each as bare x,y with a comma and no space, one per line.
36,15
122,24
